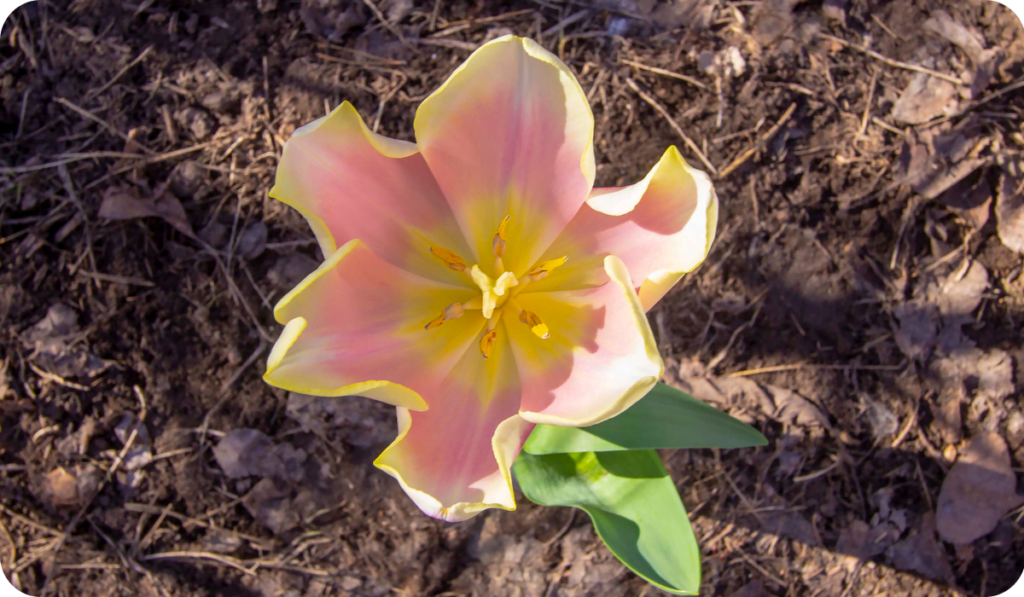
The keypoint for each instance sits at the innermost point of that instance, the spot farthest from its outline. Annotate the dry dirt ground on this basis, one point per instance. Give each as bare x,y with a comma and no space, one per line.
862,305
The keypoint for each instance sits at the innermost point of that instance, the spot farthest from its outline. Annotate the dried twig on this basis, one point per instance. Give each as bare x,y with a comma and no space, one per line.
120,73
387,24
867,104
452,27
69,189
891,62
116,279
53,377
795,366
667,73
99,487
89,115
198,555
746,155
561,25
447,43
675,126
263,543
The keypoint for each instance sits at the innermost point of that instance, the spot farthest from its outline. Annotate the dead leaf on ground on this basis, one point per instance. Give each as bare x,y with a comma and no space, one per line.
1010,207
921,552
52,341
961,292
693,14
754,588
248,453
947,418
973,203
794,408
979,489
62,487
973,43
925,98
356,420
881,418
861,542
140,453
291,269
253,241
791,525
995,375
915,329
124,203
747,396
269,502
935,163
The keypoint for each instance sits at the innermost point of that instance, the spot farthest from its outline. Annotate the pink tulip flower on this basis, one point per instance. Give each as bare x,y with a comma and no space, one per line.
475,279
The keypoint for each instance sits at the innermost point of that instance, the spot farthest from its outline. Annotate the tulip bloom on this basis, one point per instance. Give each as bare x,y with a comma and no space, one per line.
475,279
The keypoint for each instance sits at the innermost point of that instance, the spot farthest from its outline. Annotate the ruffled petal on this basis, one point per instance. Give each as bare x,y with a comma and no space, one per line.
355,326
599,358
352,183
454,460
510,133
661,228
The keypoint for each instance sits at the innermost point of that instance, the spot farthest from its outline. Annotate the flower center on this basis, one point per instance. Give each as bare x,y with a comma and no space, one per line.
493,292
496,295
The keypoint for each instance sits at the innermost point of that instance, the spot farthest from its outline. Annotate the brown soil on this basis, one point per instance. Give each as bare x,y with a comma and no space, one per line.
822,246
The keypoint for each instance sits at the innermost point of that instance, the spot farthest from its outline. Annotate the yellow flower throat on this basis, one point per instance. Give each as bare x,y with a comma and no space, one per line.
496,295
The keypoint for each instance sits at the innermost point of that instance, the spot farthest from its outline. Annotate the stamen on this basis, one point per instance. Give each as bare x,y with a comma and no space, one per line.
452,311
487,340
450,259
537,326
487,343
500,238
542,269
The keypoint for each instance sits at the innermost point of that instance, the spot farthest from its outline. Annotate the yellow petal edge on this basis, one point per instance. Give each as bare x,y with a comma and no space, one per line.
384,391
569,83
619,202
619,275
342,117
504,443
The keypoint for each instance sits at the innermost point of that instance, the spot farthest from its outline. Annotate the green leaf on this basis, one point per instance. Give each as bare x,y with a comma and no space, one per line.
633,504
664,418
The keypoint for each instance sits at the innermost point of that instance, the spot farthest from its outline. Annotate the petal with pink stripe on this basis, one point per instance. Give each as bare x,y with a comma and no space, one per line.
355,326
352,183
600,356
510,133
661,228
454,460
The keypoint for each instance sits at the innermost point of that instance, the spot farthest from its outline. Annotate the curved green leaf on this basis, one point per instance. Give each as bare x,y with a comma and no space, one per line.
664,418
633,504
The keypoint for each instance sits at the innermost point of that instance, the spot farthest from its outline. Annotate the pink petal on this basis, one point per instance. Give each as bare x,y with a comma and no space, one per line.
599,359
510,133
351,183
356,327
661,228
454,460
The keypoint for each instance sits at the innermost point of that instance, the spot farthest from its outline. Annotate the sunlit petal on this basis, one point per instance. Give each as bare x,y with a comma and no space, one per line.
661,228
510,134
356,327
454,460
352,183
599,357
